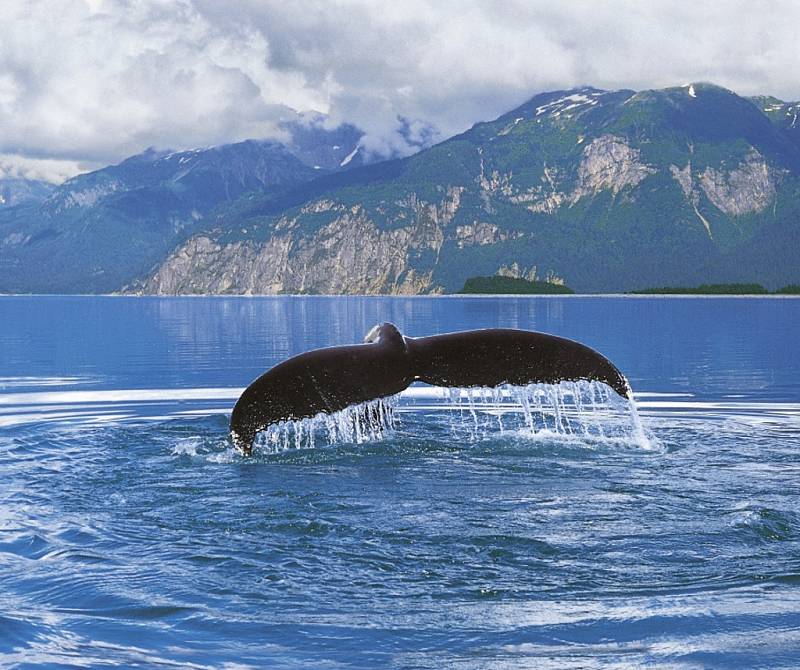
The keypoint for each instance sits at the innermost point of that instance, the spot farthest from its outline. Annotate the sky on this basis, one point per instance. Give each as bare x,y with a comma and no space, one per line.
86,83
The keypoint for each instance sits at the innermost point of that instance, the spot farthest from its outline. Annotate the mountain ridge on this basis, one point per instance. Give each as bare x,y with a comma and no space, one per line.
69,237
607,190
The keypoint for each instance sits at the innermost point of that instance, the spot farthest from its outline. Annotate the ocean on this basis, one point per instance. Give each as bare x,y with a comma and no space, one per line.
133,535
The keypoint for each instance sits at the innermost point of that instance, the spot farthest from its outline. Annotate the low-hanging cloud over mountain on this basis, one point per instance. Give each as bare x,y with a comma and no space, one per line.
88,82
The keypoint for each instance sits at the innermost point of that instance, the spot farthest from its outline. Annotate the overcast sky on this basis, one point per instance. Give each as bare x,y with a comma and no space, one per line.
84,83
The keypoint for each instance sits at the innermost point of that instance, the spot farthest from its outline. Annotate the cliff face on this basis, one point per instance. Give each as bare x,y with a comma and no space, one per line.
350,254
747,188
606,191
607,163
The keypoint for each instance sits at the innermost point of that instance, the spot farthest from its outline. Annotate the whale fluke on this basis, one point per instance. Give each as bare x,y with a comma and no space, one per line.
331,379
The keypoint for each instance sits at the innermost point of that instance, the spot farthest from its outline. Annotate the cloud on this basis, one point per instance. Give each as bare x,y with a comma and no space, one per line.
93,82
41,169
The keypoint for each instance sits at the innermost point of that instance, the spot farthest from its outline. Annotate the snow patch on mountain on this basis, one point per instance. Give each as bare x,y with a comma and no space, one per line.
567,103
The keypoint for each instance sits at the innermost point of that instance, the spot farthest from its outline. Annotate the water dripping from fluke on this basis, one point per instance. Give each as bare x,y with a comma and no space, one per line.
576,411
587,411
357,424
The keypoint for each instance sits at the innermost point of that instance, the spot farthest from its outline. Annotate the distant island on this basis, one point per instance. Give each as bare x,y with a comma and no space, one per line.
503,285
719,289
511,285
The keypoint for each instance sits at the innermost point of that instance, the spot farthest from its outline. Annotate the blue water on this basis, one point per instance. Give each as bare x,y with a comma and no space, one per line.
132,536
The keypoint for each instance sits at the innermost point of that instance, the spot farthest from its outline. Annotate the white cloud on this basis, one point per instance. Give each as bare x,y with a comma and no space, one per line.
42,169
93,82
98,82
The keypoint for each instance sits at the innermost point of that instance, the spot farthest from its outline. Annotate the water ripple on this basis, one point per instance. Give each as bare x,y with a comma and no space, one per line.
428,550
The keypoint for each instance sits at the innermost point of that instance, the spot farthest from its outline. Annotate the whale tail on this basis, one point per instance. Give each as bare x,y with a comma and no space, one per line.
331,379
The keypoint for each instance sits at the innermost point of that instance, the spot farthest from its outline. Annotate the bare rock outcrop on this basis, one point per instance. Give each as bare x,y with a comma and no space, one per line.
746,189
350,254
609,163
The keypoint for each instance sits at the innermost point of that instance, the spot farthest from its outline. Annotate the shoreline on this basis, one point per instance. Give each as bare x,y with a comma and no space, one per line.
548,296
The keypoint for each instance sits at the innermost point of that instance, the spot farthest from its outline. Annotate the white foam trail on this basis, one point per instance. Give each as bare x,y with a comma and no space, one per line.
584,411
15,382
117,405
119,395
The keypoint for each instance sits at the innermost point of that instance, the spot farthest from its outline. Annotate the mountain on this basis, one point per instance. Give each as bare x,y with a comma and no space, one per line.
98,231
15,191
604,190
783,114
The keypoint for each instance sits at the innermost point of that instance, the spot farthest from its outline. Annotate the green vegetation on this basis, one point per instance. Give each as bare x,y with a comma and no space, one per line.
511,285
499,285
707,289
